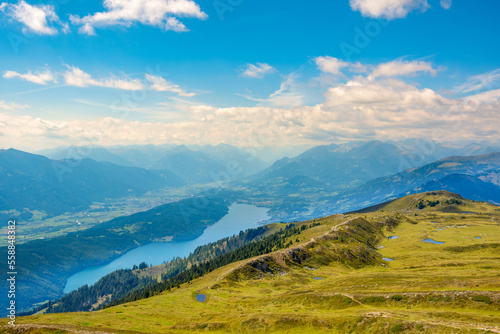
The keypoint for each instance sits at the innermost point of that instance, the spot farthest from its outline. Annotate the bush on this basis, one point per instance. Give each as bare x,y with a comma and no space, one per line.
482,299
397,328
397,297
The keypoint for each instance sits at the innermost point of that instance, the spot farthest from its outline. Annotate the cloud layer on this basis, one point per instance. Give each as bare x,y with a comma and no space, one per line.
359,101
157,13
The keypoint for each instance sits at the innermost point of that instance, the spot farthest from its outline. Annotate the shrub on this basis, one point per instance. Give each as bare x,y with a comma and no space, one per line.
482,299
397,328
397,297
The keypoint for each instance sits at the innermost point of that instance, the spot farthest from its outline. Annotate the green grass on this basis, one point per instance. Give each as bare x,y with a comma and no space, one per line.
428,288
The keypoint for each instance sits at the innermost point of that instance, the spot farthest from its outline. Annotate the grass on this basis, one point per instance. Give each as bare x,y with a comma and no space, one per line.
428,288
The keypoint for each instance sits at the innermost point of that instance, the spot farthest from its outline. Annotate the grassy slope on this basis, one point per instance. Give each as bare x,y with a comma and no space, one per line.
448,288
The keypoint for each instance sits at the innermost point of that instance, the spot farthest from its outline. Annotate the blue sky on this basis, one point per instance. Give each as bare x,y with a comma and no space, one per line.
182,71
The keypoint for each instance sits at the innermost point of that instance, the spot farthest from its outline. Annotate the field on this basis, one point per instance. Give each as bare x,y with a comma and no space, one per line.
318,286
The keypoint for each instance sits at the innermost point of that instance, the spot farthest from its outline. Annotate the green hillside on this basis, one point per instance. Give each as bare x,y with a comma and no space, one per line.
46,264
336,277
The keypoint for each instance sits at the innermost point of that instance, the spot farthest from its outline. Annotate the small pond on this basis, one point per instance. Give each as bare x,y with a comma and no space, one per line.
387,259
478,237
393,237
318,278
432,241
201,297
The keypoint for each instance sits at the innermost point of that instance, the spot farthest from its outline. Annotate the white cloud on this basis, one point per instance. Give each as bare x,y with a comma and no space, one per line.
161,85
330,65
446,4
41,78
398,67
479,82
157,13
258,70
359,109
38,19
389,92
11,106
387,9
76,77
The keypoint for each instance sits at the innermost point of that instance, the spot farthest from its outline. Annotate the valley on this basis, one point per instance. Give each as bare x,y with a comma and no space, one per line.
333,279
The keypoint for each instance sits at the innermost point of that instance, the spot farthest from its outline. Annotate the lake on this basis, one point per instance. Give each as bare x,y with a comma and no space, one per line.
239,218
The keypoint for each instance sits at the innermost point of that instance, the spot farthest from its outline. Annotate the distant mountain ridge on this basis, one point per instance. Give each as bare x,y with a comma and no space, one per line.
428,177
29,181
193,163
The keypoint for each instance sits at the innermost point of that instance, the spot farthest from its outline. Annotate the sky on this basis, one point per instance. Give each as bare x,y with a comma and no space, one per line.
247,73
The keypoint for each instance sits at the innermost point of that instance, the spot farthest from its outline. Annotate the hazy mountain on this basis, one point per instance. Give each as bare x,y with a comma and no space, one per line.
193,167
271,154
335,167
194,163
99,154
412,180
143,156
38,183
245,161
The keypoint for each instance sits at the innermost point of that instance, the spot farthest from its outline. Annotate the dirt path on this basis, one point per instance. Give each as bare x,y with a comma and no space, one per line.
312,240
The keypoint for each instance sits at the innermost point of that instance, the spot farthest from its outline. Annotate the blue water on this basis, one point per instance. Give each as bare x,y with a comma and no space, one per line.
435,223
387,259
201,297
239,218
393,237
318,278
478,237
433,241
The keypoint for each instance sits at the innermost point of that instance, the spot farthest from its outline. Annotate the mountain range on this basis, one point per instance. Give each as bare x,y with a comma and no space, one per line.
34,182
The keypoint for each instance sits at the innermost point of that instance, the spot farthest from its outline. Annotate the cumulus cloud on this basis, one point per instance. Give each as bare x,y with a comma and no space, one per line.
161,85
359,109
38,19
258,70
76,77
387,9
11,106
330,65
401,68
41,78
158,13
446,4
389,92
